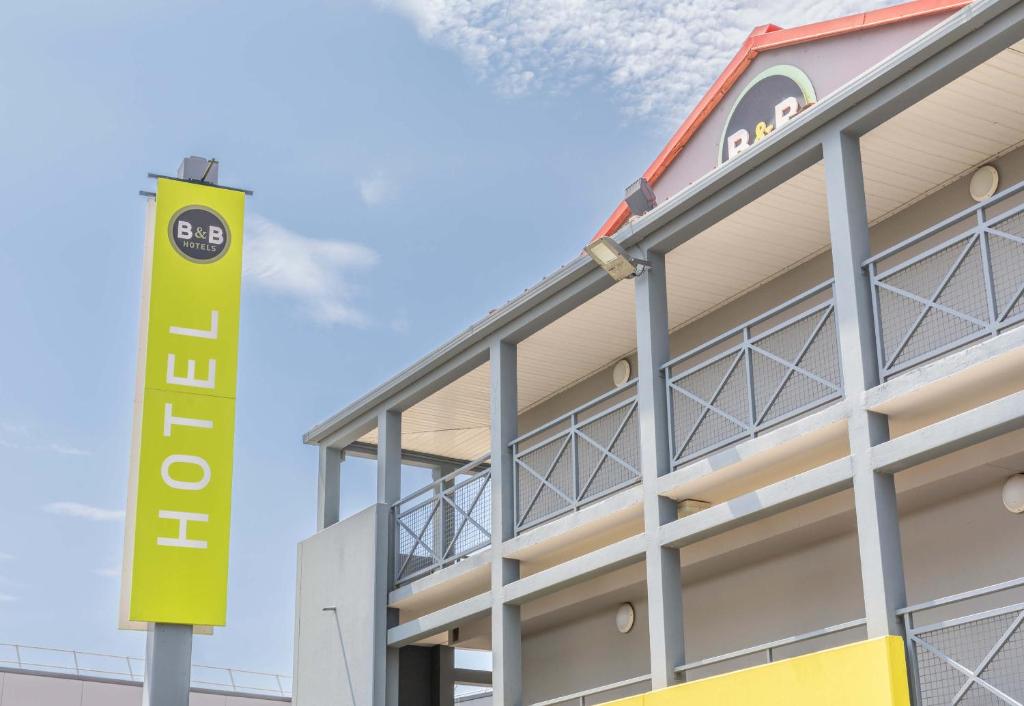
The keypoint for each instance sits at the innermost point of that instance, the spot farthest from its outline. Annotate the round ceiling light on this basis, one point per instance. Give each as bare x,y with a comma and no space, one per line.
1013,493
622,372
625,616
984,182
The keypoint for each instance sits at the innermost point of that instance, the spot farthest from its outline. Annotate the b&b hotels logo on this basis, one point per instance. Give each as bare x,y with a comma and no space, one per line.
768,103
199,234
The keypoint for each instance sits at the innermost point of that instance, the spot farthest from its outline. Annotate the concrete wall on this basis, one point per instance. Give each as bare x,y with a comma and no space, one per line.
336,568
18,689
963,542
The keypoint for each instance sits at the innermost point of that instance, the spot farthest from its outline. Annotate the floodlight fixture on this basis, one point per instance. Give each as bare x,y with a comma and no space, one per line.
614,259
640,197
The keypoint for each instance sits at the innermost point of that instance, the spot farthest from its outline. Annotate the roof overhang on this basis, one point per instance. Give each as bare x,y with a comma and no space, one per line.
961,42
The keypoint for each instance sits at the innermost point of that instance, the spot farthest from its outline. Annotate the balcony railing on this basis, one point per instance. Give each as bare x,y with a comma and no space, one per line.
773,368
958,281
972,658
769,652
96,665
577,458
443,522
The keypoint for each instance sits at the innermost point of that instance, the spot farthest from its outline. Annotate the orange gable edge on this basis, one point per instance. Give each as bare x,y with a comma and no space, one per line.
765,38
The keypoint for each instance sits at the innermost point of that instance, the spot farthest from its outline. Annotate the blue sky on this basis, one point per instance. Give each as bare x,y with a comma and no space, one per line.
427,159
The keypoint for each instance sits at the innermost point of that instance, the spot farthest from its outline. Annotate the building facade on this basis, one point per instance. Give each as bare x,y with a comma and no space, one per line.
781,464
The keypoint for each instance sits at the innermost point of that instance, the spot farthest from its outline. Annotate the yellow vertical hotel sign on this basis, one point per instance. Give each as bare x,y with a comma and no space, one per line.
179,504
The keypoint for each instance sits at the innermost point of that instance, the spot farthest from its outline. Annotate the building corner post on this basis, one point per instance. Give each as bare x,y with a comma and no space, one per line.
389,488
878,529
328,489
664,579
506,619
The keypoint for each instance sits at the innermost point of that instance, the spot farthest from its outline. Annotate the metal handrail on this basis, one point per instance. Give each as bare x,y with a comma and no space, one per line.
769,647
461,470
978,230
438,493
951,220
753,420
761,318
575,412
965,596
973,675
581,695
592,411
21,663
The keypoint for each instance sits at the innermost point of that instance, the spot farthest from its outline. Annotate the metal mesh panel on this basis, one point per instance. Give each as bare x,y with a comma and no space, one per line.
717,408
787,370
608,452
951,278
596,455
955,292
1007,274
991,648
545,479
443,522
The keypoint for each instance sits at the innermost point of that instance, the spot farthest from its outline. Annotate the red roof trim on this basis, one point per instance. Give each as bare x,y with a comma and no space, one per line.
766,38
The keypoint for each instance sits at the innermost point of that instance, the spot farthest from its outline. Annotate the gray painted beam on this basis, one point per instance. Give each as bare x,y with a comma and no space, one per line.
328,487
440,620
471,677
878,525
506,619
988,353
966,429
764,502
574,571
664,581
389,489
362,449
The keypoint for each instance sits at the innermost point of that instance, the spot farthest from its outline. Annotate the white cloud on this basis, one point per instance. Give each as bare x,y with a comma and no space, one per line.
657,56
87,512
6,598
313,272
5,556
14,429
377,189
110,572
69,450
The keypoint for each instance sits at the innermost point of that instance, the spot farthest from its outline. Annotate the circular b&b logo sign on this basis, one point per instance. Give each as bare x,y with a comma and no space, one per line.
199,234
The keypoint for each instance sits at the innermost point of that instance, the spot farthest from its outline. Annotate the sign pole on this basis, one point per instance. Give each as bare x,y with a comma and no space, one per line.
168,675
168,665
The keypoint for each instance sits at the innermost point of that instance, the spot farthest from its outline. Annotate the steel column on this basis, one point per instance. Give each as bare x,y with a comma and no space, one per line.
506,619
168,665
878,529
664,582
328,487
389,490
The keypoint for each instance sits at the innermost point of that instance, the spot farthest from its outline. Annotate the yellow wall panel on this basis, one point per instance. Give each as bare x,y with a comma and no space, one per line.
869,673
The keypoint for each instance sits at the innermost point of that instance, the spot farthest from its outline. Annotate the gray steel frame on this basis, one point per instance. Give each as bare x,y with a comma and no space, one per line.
571,436
977,235
972,676
440,494
742,351
580,697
